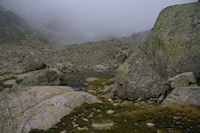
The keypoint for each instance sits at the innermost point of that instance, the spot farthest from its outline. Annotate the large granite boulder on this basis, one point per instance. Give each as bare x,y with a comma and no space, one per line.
171,47
184,95
38,107
42,78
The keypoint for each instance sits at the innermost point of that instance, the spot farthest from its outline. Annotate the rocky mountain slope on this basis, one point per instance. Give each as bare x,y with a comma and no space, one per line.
13,28
156,88
134,40
74,63
171,47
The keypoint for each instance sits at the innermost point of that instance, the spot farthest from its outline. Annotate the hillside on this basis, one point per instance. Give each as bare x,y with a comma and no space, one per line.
13,28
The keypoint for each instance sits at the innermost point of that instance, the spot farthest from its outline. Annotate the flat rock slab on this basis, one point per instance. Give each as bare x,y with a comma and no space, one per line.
38,107
184,95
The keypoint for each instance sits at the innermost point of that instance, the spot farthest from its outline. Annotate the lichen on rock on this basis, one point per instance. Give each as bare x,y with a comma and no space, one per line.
171,47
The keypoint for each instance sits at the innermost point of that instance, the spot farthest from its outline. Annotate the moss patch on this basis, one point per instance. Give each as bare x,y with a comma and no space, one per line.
131,118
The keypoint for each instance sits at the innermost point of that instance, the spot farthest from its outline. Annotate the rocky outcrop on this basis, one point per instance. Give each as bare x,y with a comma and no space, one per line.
35,64
184,95
42,78
182,80
38,107
171,47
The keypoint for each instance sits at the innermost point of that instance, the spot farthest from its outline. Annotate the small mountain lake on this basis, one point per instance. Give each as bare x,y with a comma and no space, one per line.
77,86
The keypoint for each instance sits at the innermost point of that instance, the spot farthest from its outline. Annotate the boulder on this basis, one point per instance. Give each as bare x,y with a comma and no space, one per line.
42,78
170,48
33,65
184,95
182,80
38,107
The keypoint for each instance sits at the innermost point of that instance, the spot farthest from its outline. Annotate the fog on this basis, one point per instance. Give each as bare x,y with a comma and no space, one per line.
75,21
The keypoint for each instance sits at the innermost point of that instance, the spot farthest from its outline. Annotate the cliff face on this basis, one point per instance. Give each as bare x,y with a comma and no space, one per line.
171,47
12,28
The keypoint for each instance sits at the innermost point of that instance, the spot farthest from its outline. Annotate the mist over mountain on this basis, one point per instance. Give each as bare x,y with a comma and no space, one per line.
77,21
